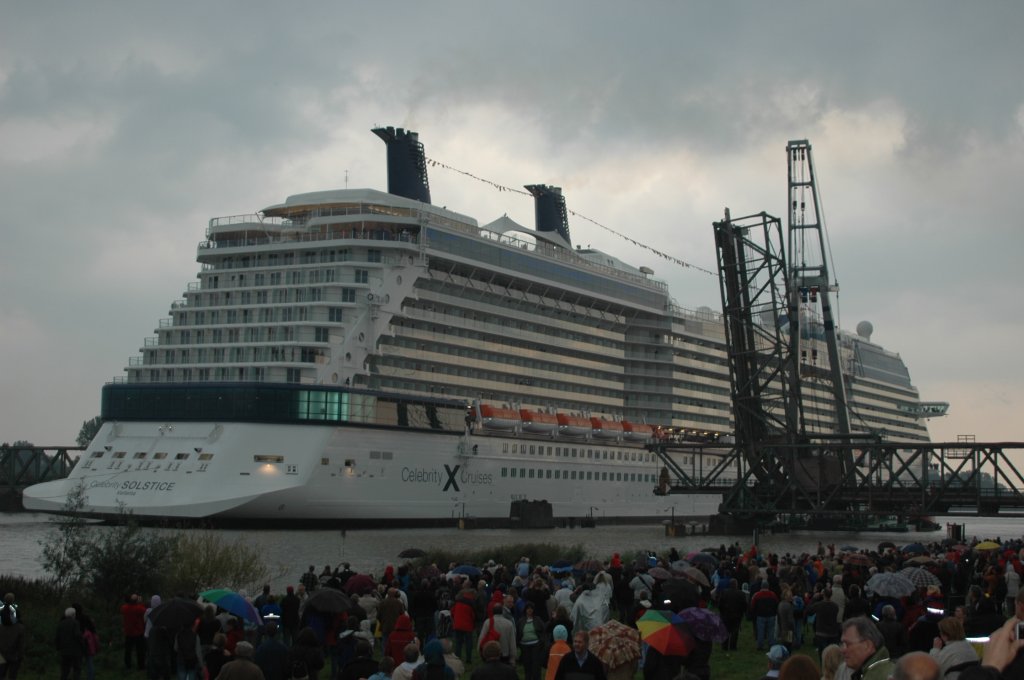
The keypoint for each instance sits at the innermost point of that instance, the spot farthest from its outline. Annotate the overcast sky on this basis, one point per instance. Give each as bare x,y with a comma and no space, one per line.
124,127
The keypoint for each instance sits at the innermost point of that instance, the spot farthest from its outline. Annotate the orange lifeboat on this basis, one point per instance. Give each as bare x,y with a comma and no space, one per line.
535,421
606,429
573,426
498,418
637,432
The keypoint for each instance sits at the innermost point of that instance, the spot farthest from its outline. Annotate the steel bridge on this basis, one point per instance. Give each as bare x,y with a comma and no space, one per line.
22,466
809,480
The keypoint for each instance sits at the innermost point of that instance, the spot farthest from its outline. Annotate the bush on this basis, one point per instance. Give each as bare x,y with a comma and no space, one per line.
200,560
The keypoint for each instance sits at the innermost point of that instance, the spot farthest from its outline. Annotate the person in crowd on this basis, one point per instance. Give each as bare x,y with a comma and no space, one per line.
13,641
785,626
826,620
133,625
68,641
493,668
207,627
831,659
530,641
505,629
290,615
916,666
410,660
764,607
433,666
580,664
799,667
309,580
384,669
452,660
732,606
216,656
362,665
777,655
91,640
401,635
242,667
864,652
559,648
307,654
463,623
272,654
893,632
951,650
188,653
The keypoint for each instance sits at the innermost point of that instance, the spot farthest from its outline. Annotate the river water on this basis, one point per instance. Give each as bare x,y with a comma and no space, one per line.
288,552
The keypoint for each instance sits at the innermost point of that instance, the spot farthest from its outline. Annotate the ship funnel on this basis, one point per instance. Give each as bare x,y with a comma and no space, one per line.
549,210
407,164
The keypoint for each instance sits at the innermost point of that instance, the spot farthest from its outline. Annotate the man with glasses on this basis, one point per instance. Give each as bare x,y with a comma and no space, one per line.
864,654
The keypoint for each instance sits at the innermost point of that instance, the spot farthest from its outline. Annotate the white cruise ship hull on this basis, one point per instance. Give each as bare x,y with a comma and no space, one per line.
362,475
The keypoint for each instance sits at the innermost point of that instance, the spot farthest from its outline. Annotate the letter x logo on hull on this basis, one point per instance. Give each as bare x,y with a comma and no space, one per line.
452,482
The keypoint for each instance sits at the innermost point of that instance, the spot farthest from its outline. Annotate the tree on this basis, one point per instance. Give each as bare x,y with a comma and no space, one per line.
89,430
67,546
127,558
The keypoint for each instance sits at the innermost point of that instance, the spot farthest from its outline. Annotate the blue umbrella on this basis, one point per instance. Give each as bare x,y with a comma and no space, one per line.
914,549
560,567
467,570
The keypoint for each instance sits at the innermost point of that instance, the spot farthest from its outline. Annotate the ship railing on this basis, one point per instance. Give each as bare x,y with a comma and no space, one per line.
705,314
250,218
361,234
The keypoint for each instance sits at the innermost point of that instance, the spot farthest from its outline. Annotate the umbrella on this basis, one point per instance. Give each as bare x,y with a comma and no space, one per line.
328,601
560,567
697,576
921,578
680,592
175,613
914,549
678,566
858,559
615,643
665,632
886,544
705,624
987,545
659,574
920,559
230,601
467,570
849,548
412,553
359,584
889,584
702,558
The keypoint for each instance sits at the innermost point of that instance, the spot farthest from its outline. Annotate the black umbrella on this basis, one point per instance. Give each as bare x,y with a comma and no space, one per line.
328,601
412,553
175,613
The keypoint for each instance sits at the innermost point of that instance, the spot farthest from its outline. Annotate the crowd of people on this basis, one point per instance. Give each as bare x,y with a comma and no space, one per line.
815,616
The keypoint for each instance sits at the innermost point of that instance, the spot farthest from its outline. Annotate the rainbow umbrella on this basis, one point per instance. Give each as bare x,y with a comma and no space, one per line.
232,602
666,632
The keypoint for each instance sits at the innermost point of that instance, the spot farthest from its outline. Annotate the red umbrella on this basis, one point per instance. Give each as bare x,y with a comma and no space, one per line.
359,584
858,559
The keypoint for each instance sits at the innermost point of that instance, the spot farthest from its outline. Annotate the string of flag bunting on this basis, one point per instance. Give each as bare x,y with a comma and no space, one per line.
513,190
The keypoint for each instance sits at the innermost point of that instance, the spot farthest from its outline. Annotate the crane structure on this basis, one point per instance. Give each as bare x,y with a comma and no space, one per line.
776,294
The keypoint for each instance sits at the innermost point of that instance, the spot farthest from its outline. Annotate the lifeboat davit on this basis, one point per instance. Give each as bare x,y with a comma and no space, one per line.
606,429
535,421
498,418
573,426
637,432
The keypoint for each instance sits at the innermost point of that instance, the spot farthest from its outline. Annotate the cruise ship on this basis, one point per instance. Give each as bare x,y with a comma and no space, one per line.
364,357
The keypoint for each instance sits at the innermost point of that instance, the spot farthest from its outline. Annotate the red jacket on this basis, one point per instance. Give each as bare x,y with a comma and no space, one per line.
133,617
399,638
463,615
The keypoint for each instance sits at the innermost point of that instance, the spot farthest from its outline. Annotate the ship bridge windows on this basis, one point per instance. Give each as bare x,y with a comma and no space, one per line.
120,454
181,456
265,458
139,455
96,454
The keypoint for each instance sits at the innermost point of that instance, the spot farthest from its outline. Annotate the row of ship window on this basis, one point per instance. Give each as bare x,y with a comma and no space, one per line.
573,452
579,475
141,455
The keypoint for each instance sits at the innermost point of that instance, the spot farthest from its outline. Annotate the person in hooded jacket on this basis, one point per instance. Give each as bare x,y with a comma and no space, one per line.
433,666
400,636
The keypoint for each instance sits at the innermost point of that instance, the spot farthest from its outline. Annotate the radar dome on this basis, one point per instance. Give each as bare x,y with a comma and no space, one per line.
865,329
